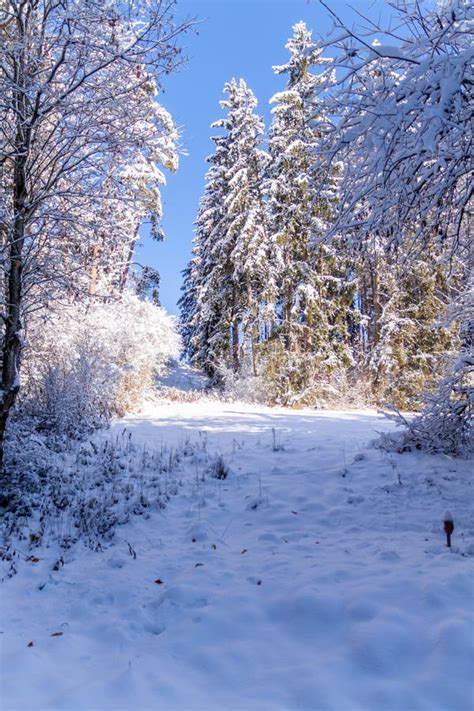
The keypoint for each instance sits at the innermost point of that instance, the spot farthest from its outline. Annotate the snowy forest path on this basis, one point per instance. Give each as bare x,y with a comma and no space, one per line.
318,559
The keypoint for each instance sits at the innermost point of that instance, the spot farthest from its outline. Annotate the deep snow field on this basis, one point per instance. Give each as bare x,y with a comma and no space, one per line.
314,577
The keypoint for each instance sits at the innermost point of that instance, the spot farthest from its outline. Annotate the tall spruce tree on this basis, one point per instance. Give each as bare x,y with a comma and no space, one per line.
315,287
227,278
204,328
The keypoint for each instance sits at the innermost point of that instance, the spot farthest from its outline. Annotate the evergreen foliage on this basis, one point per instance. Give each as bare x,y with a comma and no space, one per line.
314,285
226,279
299,276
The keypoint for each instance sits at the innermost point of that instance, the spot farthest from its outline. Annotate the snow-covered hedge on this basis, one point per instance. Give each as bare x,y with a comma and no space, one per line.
84,365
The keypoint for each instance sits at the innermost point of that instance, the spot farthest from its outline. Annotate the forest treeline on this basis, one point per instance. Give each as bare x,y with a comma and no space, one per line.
306,281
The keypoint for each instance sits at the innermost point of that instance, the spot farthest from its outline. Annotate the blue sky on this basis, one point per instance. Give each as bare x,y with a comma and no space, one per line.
236,38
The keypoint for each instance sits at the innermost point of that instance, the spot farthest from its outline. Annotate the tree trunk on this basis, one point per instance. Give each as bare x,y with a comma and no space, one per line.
287,318
254,359
235,345
374,278
126,269
12,341
235,332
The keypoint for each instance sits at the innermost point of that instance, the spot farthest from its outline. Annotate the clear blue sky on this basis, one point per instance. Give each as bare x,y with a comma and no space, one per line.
236,38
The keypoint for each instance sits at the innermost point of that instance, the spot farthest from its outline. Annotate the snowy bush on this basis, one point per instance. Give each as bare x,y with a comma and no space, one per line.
242,387
85,492
218,468
445,425
84,365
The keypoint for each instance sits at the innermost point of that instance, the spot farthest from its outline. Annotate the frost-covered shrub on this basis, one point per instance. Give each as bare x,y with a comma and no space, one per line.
446,423
242,387
218,468
83,365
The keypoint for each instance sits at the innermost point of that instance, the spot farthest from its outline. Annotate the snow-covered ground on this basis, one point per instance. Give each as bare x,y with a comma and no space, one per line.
183,377
314,577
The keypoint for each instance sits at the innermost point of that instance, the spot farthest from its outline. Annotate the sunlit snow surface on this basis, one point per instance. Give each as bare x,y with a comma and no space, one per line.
315,577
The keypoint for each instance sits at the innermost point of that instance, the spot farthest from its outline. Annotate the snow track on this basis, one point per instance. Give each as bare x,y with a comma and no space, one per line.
314,577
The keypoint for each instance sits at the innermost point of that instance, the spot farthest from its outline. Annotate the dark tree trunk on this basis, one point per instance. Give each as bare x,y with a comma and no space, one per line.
12,340
376,303
235,331
287,318
235,346
254,355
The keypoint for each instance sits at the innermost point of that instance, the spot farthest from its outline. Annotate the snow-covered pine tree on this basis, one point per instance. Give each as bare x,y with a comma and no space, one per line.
187,307
227,280
401,297
205,329
315,289
246,233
